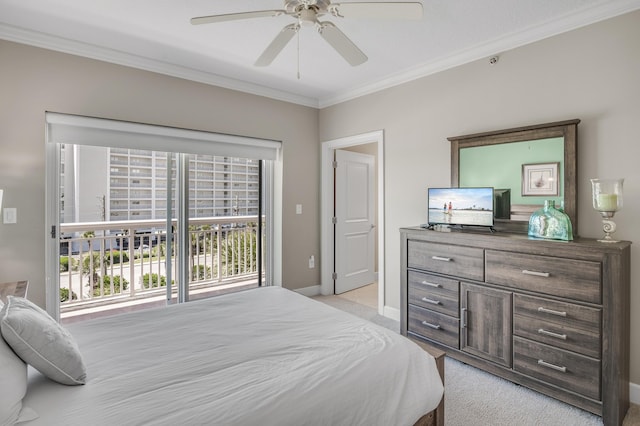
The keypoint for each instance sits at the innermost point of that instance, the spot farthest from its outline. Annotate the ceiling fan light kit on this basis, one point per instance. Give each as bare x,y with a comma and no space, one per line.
306,13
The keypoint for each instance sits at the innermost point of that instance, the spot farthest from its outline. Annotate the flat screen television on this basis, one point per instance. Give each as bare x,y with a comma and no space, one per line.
460,207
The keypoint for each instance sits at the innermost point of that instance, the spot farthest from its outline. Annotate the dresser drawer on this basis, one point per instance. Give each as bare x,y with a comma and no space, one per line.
460,261
436,293
565,325
566,369
570,278
434,326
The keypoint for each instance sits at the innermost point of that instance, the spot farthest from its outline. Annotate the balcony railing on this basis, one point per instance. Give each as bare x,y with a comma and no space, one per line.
108,262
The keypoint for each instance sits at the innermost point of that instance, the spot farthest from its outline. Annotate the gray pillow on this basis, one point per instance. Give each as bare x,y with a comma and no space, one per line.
13,384
41,342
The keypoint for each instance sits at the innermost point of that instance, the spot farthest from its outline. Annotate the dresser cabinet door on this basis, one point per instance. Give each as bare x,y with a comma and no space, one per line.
485,323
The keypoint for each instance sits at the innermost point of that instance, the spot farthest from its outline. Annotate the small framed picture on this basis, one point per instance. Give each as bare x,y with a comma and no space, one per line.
540,179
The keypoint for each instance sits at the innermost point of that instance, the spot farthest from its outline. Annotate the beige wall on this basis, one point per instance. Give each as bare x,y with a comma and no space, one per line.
591,73
34,80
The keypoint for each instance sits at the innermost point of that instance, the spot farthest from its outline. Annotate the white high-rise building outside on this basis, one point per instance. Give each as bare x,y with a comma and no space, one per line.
108,184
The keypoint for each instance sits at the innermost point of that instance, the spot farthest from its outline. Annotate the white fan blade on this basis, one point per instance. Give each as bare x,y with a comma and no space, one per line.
276,46
341,43
236,16
387,10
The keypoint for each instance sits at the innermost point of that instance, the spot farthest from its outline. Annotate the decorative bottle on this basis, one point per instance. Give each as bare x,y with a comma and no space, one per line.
550,222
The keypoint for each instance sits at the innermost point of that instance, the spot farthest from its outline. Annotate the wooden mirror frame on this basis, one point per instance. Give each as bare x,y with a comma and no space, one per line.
566,129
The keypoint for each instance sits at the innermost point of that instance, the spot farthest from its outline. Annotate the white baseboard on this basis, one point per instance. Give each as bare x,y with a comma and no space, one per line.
634,393
314,290
392,313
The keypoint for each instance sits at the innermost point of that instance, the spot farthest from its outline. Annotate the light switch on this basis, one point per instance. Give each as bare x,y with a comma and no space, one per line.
298,208
10,215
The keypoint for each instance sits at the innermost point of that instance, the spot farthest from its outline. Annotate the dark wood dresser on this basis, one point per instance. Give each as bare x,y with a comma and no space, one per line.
550,315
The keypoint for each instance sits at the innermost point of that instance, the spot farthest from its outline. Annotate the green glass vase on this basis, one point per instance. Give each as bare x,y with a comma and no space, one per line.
551,223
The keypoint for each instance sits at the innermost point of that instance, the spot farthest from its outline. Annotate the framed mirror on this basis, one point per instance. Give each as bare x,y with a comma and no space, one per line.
525,166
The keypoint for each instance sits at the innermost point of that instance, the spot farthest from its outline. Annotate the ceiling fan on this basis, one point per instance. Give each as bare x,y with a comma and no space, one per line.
307,12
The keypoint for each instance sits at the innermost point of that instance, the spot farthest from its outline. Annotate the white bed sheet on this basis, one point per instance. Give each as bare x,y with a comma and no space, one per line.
266,356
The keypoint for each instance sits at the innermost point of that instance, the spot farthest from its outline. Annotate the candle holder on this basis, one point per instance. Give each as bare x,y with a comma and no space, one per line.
607,200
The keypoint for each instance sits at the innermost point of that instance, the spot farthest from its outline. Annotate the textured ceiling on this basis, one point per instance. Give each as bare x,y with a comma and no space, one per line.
157,35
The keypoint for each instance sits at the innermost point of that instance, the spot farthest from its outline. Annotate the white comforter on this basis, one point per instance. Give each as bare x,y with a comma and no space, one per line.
267,356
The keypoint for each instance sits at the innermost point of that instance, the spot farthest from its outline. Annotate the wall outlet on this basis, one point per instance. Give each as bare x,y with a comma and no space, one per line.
10,215
312,262
298,208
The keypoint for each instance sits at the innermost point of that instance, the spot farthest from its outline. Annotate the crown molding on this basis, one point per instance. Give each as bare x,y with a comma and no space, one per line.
87,50
528,35
561,24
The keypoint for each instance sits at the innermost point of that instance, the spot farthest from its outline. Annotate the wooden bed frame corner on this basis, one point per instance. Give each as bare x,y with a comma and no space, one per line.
435,417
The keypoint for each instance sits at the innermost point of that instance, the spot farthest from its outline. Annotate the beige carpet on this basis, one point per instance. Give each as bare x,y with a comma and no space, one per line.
476,398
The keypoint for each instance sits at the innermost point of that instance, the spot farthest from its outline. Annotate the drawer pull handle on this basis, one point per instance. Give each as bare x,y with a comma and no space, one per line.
434,326
552,312
463,316
552,334
443,259
552,366
434,285
536,273
433,302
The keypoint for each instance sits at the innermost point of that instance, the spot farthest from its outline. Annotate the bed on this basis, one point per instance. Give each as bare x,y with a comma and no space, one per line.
266,356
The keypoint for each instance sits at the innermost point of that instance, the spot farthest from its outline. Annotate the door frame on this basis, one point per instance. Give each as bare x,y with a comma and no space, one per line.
326,206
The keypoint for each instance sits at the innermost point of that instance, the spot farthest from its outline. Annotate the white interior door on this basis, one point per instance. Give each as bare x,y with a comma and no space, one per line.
355,221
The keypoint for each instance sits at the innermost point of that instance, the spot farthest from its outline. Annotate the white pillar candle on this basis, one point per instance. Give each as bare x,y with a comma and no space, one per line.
607,202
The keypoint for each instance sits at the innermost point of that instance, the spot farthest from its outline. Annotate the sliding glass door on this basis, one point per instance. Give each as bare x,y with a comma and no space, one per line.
112,232
224,223
134,228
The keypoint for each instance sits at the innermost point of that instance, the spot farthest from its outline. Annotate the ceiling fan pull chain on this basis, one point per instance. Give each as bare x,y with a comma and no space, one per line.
298,55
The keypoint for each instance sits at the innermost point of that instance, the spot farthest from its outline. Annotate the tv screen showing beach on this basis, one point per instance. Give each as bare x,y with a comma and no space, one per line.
461,206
